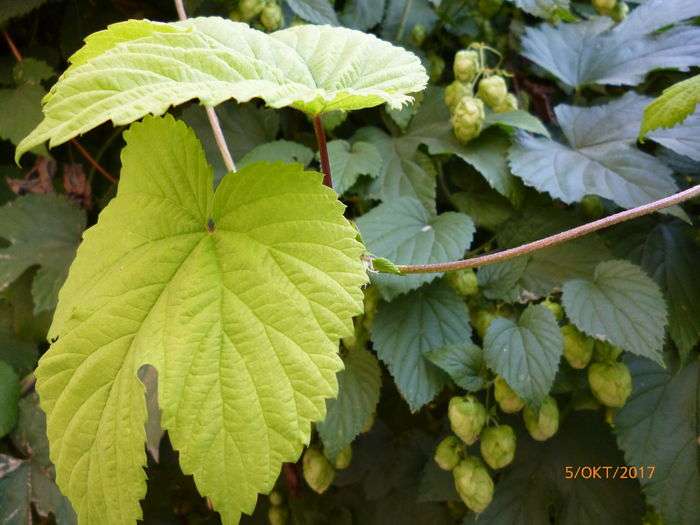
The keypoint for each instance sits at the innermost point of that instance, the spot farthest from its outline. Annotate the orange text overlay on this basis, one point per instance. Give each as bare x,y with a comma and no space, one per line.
609,471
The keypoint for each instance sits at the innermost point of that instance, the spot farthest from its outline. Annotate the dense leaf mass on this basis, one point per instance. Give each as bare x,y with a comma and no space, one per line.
186,339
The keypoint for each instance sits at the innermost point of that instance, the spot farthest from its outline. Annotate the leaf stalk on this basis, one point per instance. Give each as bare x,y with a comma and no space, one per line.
323,151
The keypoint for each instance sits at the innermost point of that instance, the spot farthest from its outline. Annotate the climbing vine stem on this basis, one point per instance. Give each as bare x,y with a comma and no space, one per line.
553,240
211,112
323,151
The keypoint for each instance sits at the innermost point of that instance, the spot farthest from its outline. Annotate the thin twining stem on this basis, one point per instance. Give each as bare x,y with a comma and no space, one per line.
323,151
211,112
553,240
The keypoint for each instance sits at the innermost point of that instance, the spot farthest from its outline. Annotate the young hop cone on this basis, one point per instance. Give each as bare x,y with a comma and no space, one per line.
448,453
466,65
343,459
249,9
488,8
418,34
510,103
604,7
493,91
318,471
555,308
542,424
611,383
437,66
473,483
467,417
464,282
604,352
271,16
468,119
276,498
508,401
278,515
578,348
455,92
498,446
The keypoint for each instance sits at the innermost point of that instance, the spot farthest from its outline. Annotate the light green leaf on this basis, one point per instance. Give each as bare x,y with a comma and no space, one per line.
404,232
599,158
409,327
348,162
527,353
620,304
673,106
43,230
658,427
464,363
382,265
315,11
136,68
245,126
278,151
9,395
219,292
358,394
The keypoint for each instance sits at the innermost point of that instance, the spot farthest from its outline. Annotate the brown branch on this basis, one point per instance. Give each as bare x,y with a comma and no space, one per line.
92,161
18,56
323,151
211,112
556,239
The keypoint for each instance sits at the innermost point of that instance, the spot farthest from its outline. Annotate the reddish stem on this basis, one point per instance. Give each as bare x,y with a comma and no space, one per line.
323,151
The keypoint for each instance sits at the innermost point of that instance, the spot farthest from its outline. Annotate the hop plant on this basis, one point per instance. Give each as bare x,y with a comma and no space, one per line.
343,459
455,92
592,206
611,383
555,308
468,119
510,103
508,401
473,483
604,352
448,453
418,34
318,471
498,446
249,9
604,7
467,417
278,515
578,349
466,65
437,66
493,91
542,424
620,12
464,282
276,498
271,16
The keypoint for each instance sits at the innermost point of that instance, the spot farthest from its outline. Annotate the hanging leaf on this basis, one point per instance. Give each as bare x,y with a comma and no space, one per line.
135,68
598,159
527,353
404,232
673,106
362,14
684,138
9,395
409,327
598,52
348,162
358,394
546,9
658,428
620,304
464,363
43,230
219,292
315,11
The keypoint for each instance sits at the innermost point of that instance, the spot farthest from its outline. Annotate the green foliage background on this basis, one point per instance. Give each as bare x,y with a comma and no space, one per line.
417,195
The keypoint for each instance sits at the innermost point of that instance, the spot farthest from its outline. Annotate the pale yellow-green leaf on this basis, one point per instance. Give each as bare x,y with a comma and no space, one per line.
237,297
139,67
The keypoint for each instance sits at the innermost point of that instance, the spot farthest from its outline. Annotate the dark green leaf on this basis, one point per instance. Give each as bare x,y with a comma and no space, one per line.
464,363
9,395
315,11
